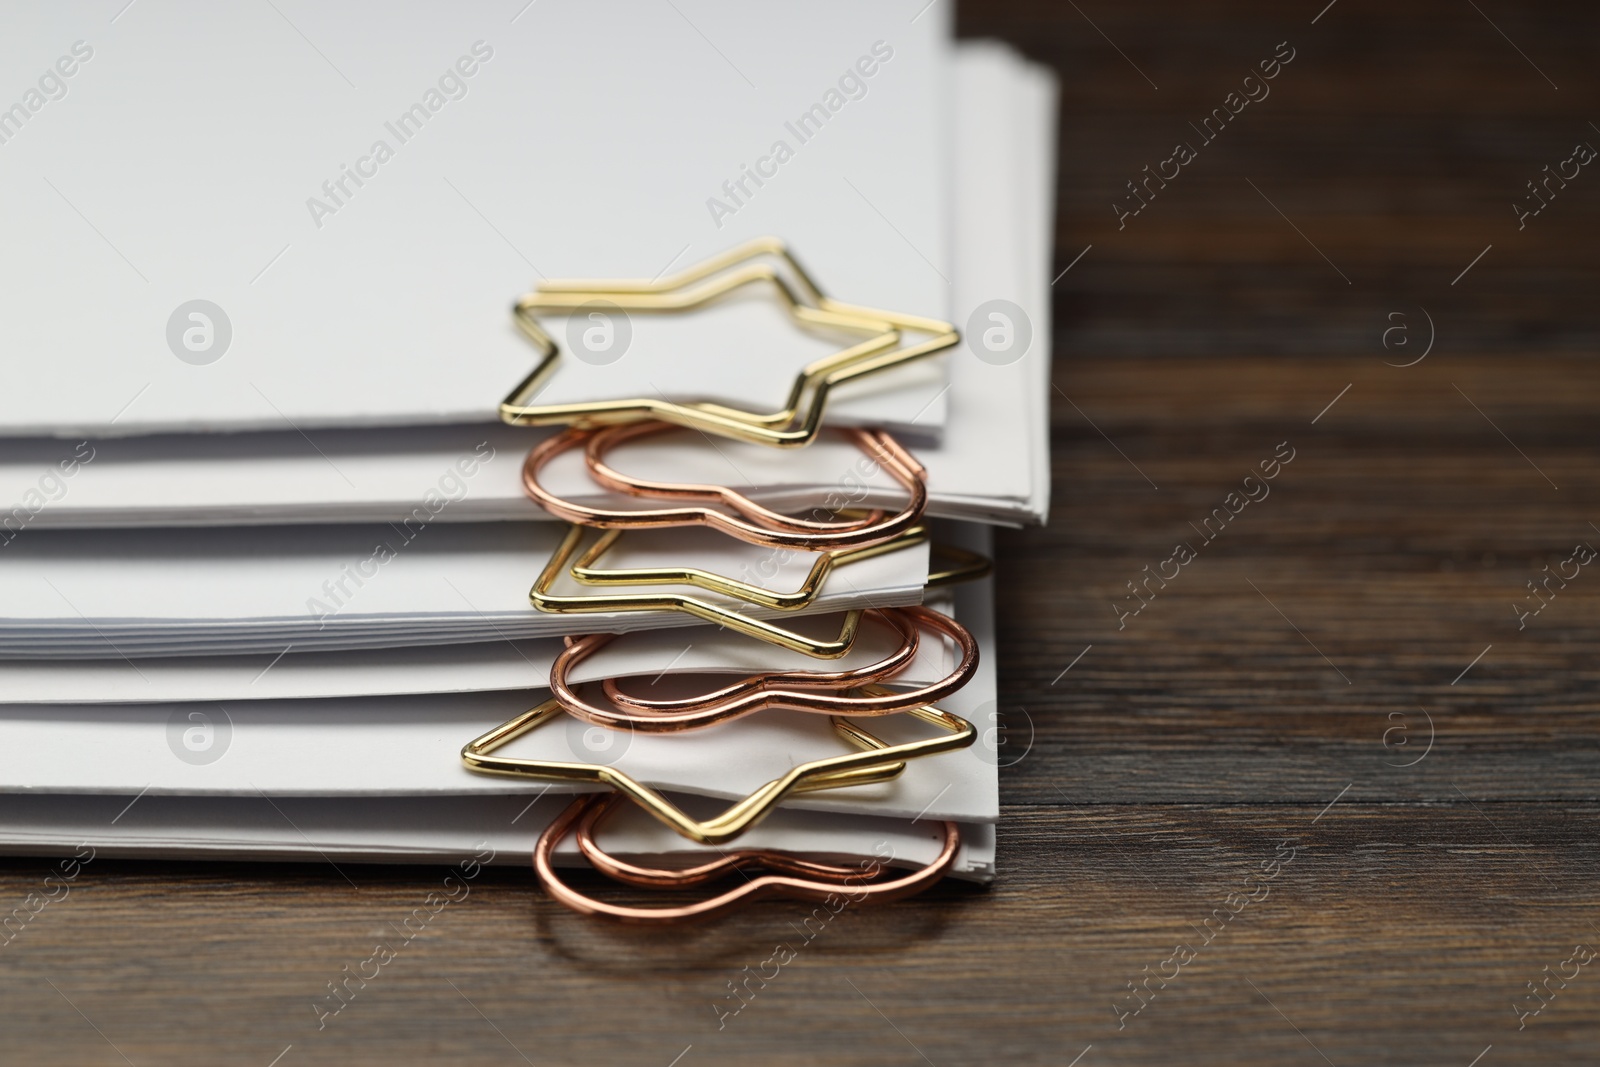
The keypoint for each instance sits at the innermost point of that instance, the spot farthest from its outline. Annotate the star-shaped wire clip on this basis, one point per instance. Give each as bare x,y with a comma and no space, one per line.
797,422
585,571
876,762
588,603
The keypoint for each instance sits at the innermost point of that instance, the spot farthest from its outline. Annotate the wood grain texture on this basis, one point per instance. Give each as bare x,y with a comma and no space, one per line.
1268,698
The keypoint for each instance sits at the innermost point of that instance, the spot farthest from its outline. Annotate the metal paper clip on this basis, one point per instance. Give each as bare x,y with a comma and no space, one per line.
896,618
748,523
590,603
727,861
751,699
964,565
586,810
876,762
584,570
798,421
600,443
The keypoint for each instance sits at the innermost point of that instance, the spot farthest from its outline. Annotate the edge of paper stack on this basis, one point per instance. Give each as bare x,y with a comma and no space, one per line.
231,653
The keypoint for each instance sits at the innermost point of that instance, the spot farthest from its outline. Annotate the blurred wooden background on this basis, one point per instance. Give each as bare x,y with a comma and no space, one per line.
1339,678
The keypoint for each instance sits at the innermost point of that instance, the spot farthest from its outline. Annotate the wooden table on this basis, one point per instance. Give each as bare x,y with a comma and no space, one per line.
1329,796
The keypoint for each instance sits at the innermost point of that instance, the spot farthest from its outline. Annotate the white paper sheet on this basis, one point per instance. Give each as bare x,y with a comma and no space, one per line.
174,164
352,826
493,829
408,746
442,669
991,466
262,589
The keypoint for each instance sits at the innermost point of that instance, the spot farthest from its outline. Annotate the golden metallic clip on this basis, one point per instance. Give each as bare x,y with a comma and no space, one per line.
555,603
725,862
964,566
877,762
583,570
798,421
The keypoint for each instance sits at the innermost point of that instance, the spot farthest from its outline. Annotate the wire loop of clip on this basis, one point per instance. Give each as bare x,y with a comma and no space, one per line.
895,618
874,341
800,418
584,570
599,444
963,565
748,522
877,761
592,603
727,861
816,887
875,699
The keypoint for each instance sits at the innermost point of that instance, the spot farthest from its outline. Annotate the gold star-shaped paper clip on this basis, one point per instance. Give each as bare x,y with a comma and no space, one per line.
823,648
584,569
884,345
876,762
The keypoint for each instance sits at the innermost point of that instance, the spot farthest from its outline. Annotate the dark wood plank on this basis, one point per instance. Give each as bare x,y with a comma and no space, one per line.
1395,934
1396,140
1385,558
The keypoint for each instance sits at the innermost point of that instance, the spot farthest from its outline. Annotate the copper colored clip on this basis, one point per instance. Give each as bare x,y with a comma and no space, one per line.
897,618
586,810
749,521
747,699
600,444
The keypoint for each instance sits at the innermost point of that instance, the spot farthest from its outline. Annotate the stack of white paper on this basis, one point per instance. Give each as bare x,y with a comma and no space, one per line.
266,561
253,589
